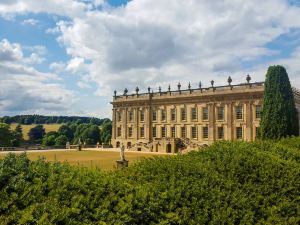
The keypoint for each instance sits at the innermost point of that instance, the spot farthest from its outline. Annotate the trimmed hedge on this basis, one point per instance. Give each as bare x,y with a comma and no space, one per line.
227,183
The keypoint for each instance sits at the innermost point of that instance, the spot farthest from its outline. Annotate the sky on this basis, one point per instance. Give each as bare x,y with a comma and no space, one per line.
66,57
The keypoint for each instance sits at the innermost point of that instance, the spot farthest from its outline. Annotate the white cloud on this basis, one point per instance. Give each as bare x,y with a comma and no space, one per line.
60,7
83,85
31,22
10,52
34,59
148,42
151,43
76,65
58,67
53,30
24,89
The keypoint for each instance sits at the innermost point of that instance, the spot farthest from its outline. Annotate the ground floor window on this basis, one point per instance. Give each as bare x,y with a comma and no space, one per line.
220,133
173,130
183,132
119,131
239,133
130,132
163,132
142,132
205,132
194,132
154,132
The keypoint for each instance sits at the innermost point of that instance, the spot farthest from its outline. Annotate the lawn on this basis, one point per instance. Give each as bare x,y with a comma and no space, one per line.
105,159
26,128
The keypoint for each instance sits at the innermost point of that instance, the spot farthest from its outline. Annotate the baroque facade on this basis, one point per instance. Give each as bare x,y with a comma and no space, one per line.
167,121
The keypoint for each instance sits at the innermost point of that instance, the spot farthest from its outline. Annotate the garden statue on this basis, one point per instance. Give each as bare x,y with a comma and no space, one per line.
121,163
122,154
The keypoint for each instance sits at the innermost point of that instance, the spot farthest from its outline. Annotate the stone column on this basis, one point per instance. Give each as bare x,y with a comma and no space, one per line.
212,119
148,133
136,123
113,124
125,128
229,121
249,120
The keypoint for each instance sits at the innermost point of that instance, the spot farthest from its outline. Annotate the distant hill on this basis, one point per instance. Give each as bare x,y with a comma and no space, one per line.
39,119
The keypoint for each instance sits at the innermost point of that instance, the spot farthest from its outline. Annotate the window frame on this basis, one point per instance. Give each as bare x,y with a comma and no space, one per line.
154,116
173,113
258,114
218,133
163,132
237,113
205,112
194,132
142,116
205,135
130,132
237,133
183,112
119,131
142,132
183,131
194,113
154,132
173,132
222,112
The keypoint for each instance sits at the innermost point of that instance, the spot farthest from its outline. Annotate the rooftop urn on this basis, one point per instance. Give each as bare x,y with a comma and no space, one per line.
149,89
248,78
212,83
189,86
137,90
179,86
125,91
229,80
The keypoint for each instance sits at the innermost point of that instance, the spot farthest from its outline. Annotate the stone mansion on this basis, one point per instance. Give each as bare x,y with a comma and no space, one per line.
166,121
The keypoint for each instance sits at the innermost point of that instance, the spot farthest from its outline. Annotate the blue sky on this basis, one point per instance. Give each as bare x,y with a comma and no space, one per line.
66,57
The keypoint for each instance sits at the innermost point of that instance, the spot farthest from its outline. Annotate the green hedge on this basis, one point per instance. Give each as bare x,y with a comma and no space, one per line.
228,183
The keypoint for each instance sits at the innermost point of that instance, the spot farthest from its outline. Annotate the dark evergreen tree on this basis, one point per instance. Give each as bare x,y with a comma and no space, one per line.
279,115
17,136
6,135
36,133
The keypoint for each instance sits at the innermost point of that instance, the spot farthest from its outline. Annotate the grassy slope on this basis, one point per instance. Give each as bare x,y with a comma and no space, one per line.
26,128
105,160
228,183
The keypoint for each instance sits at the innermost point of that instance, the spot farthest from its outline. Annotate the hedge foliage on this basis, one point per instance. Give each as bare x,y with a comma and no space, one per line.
227,183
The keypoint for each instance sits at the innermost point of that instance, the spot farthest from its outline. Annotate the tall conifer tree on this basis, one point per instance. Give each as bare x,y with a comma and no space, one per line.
279,115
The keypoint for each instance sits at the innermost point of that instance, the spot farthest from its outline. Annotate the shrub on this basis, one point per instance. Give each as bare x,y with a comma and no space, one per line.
227,183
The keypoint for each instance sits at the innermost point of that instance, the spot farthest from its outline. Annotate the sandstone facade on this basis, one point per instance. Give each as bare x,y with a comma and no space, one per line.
169,121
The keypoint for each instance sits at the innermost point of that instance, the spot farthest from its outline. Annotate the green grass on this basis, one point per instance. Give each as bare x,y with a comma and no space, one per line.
26,128
105,159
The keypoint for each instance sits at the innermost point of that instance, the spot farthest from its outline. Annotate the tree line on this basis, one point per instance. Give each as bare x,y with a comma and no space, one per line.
73,133
69,132
39,119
